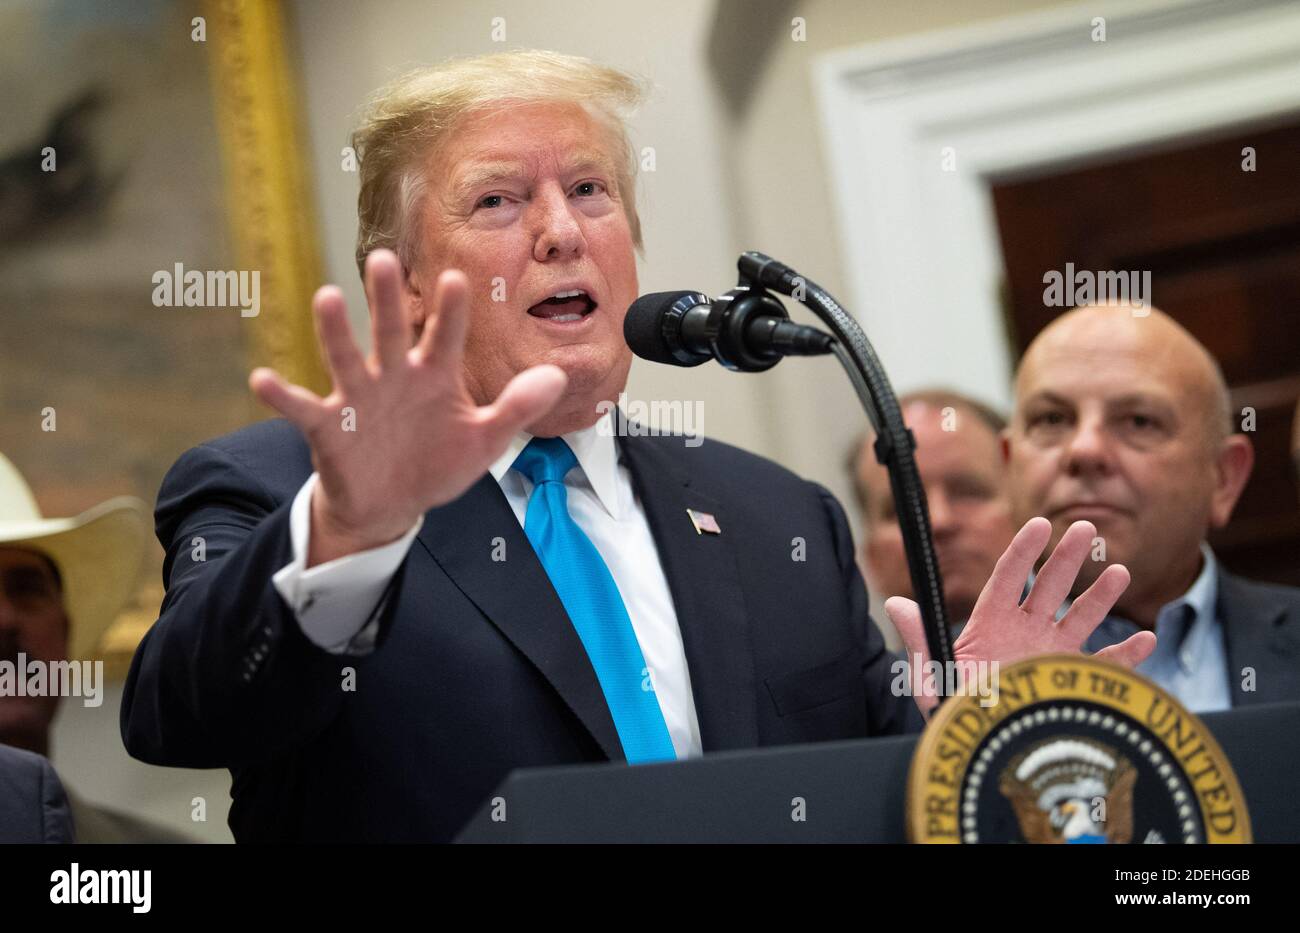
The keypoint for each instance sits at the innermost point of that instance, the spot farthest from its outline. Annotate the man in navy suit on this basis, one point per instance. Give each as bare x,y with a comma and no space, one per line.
461,562
33,806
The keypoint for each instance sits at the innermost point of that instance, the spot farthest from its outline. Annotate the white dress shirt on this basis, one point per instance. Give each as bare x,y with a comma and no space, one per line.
332,601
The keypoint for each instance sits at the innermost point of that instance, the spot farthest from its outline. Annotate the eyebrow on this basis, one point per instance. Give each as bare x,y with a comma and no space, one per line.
488,172
1141,398
482,174
1050,398
1131,398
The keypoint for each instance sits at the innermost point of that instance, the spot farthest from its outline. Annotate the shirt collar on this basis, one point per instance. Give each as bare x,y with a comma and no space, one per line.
1176,629
597,454
1204,591
1202,595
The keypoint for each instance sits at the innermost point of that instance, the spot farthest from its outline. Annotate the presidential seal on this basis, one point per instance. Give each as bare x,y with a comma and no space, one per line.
1071,749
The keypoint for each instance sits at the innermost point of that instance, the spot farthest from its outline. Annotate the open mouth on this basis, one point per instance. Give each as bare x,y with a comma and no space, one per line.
564,307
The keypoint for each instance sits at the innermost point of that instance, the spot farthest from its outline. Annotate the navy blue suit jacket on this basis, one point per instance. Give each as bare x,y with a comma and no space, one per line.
477,669
33,806
1261,630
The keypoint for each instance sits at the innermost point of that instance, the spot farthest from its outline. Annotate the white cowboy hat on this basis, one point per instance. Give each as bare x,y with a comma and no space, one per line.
99,554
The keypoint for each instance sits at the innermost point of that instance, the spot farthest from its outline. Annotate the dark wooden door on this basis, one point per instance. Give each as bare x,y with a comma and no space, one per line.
1223,248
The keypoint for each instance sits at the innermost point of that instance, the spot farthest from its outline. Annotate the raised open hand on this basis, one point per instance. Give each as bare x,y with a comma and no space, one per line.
399,434
1004,629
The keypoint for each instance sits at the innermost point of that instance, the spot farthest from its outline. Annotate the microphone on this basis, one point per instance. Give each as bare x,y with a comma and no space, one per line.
746,330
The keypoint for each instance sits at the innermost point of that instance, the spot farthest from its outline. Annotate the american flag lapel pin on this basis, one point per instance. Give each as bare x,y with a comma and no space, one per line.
704,522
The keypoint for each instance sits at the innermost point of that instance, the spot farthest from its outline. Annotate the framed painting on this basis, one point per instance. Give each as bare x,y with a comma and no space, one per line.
155,244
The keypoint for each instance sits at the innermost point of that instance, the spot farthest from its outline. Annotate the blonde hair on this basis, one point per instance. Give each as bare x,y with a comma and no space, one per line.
408,119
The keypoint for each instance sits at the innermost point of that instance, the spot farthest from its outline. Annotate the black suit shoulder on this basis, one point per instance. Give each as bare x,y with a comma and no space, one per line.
716,465
759,486
256,467
1279,594
264,450
1261,628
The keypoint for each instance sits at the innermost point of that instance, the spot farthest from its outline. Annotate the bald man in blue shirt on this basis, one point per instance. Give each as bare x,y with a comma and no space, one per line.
1122,418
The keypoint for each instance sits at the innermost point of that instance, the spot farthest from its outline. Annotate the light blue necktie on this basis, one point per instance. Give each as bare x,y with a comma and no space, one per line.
591,598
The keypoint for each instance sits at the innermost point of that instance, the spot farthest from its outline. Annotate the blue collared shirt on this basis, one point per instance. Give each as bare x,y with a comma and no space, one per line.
1190,659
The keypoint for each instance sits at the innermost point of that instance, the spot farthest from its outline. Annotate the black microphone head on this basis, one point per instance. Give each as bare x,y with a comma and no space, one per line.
652,327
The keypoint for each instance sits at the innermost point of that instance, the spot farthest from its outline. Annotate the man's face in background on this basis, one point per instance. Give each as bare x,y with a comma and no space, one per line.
959,458
1116,423
32,623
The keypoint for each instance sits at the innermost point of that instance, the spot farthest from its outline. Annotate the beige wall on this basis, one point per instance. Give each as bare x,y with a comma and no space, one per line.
779,149
88,754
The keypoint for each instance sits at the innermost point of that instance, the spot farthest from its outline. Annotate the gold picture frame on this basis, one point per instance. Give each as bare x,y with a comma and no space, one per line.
269,202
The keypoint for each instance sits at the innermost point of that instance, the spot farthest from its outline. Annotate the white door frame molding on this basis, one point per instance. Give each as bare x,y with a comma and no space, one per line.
919,243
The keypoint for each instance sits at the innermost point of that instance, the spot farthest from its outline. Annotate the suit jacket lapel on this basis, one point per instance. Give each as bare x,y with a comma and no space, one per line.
517,597
1252,632
704,581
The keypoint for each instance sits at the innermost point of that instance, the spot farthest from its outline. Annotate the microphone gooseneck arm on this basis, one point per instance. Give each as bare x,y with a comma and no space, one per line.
894,447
